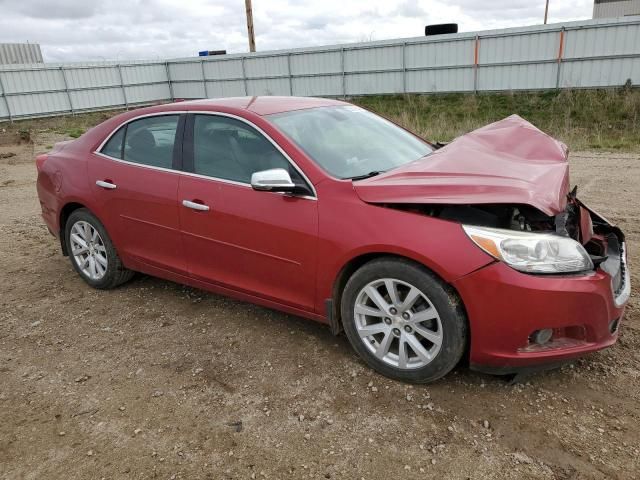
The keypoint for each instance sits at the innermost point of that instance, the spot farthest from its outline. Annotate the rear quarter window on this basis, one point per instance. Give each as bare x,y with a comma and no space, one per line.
113,147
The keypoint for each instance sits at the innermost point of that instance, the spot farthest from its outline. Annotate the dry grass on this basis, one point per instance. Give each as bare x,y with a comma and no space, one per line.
584,119
70,125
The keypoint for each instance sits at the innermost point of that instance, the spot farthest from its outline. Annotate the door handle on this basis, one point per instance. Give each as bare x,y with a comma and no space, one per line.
105,184
195,206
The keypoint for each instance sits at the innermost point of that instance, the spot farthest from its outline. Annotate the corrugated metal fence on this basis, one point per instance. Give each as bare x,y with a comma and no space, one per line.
597,53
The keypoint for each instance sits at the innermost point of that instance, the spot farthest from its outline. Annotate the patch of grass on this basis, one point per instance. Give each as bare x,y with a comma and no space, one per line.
25,135
69,125
583,119
74,132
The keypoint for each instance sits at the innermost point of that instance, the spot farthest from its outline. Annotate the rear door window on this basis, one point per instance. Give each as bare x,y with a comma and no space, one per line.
148,141
151,140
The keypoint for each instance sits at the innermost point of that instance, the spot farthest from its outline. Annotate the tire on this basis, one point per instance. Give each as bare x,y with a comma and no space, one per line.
435,320
440,29
97,263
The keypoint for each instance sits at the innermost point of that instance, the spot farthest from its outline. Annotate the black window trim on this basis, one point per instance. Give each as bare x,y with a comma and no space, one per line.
184,134
176,161
188,152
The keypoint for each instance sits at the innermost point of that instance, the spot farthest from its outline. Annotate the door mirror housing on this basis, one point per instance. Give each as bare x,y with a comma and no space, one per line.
273,180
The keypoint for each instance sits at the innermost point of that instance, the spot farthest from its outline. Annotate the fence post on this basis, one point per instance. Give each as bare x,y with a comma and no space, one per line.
66,88
560,53
124,91
166,67
476,49
6,100
404,67
344,85
244,77
290,75
204,79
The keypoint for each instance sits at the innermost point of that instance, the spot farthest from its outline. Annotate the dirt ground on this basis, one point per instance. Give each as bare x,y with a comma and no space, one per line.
156,380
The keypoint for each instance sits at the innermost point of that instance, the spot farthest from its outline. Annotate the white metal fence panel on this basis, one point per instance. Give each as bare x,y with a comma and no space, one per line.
226,88
276,66
440,80
102,98
18,81
316,63
318,86
149,93
595,53
185,71
374,58
372,83
144,73
224,69
39,103
4,110
532,76
189,89
440,54
92,77
268,86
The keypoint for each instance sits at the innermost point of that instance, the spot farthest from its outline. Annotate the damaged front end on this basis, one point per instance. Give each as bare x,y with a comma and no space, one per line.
604,242
559,283
579,239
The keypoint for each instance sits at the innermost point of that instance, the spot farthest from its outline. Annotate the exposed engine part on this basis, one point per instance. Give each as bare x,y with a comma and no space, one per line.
603,244
512,217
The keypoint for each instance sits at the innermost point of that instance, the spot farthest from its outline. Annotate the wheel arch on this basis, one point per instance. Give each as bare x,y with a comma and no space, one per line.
355,263
65,213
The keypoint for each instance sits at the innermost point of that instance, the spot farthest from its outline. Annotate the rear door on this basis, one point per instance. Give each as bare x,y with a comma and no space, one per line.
261,243
135,180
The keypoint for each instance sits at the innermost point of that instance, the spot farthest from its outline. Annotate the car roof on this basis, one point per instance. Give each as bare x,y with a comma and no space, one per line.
263,105
257,105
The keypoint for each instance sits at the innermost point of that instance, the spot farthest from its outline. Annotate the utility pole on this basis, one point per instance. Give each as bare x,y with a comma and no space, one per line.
546,11
252,39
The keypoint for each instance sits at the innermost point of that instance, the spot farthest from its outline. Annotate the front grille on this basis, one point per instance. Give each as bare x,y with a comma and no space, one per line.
623,274
616,266
617,282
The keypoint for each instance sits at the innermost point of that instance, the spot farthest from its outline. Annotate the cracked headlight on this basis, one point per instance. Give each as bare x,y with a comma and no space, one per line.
531,252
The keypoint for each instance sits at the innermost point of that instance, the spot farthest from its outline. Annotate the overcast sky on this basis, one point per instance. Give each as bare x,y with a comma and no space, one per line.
80,30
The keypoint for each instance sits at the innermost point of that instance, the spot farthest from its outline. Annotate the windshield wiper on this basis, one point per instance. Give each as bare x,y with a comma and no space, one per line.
367,175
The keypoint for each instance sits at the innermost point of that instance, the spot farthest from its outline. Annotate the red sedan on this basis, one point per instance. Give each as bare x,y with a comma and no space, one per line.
423,254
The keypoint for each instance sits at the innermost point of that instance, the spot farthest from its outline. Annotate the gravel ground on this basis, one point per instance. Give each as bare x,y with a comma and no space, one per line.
156,380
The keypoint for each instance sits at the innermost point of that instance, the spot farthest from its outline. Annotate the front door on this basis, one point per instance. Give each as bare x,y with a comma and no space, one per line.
261,243
136,188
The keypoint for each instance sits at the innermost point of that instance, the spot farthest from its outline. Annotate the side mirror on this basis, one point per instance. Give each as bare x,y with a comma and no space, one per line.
273,180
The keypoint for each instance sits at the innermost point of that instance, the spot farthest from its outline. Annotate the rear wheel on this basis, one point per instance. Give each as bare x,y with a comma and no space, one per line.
92,253
403,321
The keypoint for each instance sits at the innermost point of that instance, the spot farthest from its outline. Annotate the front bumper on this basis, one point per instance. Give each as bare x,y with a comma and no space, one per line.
505,307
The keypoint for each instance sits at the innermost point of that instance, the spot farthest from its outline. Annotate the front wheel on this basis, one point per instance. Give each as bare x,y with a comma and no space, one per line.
92,253
403,321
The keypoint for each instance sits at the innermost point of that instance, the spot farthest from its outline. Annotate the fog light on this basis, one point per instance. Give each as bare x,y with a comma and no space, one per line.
541,336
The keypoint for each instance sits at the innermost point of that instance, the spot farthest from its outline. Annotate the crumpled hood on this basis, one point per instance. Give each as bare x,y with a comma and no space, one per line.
509,161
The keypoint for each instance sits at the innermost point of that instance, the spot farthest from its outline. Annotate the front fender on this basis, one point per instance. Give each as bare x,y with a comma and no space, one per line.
350,229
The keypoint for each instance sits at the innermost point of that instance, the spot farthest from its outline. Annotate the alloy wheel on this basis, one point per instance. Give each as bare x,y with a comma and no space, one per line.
88,250
397,323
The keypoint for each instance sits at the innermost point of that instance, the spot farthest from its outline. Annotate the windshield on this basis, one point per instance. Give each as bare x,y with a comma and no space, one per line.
349,141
